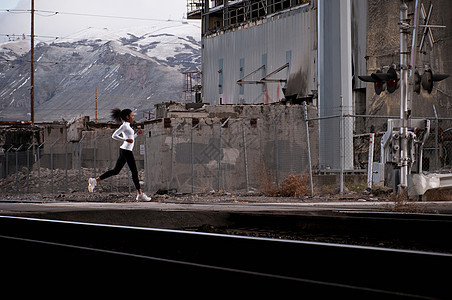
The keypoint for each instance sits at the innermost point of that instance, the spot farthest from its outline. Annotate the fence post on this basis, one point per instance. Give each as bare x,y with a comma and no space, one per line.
51,164
66,165
6,161
191,158
95,156
219,153
80,158
436,138
341,148
308,145
245,158
276,146
39,168
110,164
17,166
370,161
28,167
146,161
172,150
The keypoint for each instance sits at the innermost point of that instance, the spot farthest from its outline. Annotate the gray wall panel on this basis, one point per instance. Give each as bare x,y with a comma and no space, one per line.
293,31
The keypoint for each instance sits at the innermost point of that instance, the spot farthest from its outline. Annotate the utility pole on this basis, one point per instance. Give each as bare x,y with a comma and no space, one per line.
32,73
96,103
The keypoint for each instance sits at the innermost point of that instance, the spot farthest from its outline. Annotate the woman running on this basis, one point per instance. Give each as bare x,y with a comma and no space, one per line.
125,134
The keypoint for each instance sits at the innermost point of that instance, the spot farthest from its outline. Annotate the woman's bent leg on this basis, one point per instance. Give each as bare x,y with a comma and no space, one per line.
119,165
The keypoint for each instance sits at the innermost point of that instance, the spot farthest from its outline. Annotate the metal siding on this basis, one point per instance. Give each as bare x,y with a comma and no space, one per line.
293,31
359,34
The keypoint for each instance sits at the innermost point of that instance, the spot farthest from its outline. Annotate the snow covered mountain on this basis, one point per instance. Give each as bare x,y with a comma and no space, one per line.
132,68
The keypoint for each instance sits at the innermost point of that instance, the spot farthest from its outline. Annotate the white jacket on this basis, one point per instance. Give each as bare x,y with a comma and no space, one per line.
127,133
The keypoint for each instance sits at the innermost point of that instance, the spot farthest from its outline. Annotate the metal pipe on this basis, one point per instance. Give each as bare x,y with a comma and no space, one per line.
51,164
80,158
28,167
39,168
276,145
110,163
341,149
323,118
172,146
17,165
219,152
308,145
146,160
436,137
66,164
370,160
6,161
95,152
191,158
245,158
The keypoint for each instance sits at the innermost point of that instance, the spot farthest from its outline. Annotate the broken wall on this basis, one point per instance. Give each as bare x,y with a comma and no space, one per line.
231,148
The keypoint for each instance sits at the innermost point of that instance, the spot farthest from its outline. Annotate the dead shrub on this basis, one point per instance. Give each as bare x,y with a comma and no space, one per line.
294,186
402,202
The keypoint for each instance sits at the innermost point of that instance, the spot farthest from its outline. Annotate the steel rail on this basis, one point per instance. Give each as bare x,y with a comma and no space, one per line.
318,283
189,257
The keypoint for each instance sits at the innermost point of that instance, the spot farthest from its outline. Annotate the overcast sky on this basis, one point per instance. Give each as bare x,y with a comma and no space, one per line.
66,22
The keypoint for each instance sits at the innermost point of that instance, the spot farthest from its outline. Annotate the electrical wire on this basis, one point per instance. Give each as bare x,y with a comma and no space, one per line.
54,13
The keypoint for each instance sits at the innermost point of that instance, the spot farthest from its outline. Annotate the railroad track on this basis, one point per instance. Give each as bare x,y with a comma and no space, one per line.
180,258
409,231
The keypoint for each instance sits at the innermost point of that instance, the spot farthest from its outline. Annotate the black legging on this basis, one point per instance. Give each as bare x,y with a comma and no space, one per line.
124,156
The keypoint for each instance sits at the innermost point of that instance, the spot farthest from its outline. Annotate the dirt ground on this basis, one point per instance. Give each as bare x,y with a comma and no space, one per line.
60,186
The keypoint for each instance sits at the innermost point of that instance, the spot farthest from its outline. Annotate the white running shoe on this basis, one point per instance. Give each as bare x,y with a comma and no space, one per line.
91,184
143,197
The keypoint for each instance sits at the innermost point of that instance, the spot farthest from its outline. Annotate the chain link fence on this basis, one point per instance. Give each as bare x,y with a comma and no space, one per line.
253,153
64,167
271,152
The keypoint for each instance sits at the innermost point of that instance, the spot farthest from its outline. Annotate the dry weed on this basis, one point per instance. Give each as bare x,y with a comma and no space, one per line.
402,203
294,186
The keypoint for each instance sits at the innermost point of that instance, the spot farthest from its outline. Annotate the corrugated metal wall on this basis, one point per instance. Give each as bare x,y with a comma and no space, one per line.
289,37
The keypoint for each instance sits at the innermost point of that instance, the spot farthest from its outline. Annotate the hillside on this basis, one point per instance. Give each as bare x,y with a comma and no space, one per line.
134,68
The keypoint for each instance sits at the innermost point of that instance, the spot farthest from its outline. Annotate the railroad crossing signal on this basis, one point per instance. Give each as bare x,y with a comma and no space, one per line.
379,85
417,82
428,78
389,80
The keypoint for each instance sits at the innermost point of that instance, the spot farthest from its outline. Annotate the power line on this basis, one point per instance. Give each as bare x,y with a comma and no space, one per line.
13,35
54,13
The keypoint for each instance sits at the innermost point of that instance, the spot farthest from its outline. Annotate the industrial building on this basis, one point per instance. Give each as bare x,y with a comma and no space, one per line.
247,57
258,56
271,51
291,51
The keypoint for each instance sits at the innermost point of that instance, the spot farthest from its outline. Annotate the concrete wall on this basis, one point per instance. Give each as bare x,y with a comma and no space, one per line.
182,158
